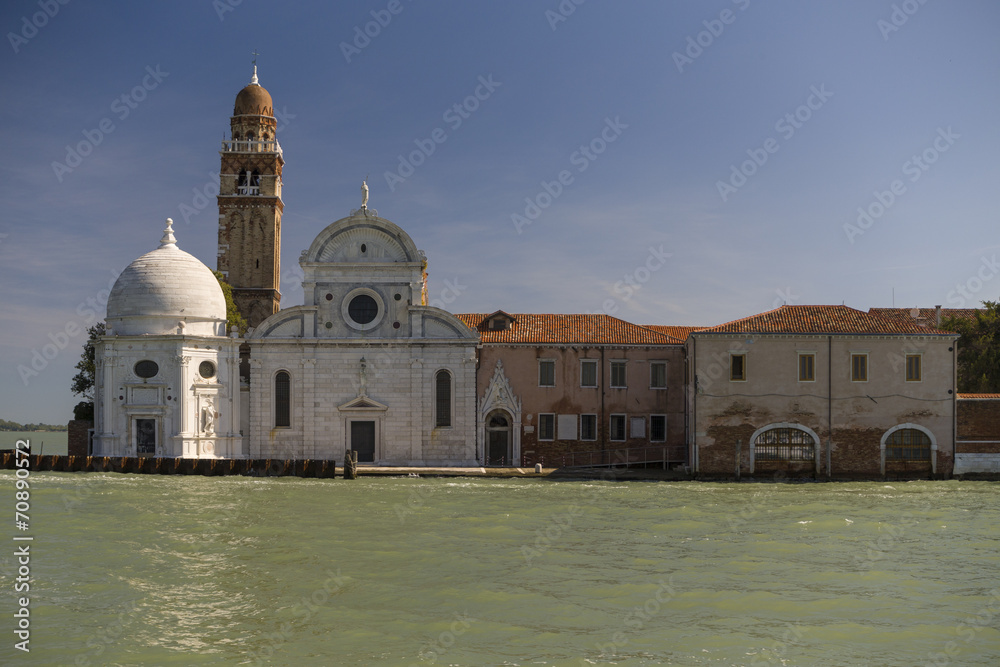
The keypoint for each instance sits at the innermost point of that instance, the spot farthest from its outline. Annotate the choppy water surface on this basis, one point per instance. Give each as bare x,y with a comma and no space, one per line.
147,570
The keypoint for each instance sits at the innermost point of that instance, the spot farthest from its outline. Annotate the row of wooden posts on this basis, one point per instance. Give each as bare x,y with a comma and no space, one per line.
182,466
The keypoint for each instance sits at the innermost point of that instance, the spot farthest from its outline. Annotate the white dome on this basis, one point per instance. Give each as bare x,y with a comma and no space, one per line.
167,291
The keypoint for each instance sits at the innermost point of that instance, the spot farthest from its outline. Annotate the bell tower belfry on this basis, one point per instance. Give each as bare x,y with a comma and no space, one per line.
250,205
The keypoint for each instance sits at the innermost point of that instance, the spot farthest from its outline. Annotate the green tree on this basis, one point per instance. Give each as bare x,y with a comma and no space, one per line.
84,380
978,349
233,317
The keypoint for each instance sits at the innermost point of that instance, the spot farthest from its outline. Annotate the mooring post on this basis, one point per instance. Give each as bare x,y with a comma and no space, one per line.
739,445
351,465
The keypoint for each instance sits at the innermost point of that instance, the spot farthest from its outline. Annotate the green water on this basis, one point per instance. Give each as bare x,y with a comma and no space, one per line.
42,442
146,570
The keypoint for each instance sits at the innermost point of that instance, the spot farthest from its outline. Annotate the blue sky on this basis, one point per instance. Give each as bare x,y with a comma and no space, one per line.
714,155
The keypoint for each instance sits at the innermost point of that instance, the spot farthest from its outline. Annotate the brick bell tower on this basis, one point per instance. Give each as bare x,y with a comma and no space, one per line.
250,205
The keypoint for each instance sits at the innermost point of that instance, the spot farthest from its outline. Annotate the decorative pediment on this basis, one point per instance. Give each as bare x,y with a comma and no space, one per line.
499,394
365,404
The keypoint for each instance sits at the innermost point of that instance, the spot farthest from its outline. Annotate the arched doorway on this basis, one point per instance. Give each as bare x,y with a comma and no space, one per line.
784,443
498,438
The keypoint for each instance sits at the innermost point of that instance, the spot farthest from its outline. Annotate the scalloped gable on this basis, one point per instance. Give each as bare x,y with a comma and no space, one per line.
362,238
438,323
291,322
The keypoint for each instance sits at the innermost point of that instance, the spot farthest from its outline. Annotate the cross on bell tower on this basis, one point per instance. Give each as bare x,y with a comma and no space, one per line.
250,204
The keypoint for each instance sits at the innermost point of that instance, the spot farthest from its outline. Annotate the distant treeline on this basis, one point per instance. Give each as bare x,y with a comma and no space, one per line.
14,426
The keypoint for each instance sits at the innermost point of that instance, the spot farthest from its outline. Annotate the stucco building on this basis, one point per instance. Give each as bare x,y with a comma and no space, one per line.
822,390
576,389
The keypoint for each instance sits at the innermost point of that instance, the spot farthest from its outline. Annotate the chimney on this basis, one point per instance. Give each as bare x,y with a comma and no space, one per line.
937,316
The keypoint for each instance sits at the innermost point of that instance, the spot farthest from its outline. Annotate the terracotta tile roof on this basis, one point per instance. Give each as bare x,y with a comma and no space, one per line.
926,315
823,320
980,397
680,333
560,329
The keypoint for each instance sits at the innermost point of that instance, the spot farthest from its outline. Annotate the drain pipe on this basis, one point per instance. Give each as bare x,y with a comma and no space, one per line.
829,404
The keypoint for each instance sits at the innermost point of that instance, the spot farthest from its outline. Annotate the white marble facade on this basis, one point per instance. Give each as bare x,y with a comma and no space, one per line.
165,370
362,365
366,366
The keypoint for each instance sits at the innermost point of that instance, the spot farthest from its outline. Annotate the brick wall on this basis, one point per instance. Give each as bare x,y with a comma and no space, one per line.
978,419
77,439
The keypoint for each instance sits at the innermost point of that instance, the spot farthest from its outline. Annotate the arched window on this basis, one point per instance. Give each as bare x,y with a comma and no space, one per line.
282,399
907,444
442,399
784,444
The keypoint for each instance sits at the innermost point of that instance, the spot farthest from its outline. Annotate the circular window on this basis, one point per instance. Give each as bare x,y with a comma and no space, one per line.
397,297
363,309
206,369
329,297
146,369
329,325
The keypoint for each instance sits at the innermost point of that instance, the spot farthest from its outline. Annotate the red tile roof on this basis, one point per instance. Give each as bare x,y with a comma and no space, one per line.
926,315
566,329
680,333
824,320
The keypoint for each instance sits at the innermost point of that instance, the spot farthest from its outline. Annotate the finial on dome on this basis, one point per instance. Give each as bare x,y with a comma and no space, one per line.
168,235
253,80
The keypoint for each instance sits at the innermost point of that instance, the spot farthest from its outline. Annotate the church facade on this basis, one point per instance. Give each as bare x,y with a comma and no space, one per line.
363,365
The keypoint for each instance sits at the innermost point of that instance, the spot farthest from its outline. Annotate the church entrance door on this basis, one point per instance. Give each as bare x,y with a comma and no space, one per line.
363,440
145,437
498,439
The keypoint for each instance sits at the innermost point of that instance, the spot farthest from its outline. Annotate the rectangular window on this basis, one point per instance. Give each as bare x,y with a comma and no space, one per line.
657,428
588,427
859,368
546,373
807,368
618,374
546,427
588,373
617,430
913,368
657,375
737,367
567,427
637,427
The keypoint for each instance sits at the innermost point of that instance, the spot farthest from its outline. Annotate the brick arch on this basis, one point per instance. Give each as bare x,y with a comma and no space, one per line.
772,426
916,427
